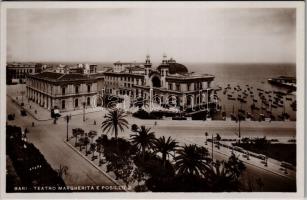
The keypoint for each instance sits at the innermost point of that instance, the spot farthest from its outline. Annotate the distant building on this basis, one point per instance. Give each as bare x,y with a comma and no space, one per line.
17,72
71,69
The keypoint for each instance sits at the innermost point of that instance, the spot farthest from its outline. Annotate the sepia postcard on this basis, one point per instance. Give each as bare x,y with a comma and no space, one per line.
152,99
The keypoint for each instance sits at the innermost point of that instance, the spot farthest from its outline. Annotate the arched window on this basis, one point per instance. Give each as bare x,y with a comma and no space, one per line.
156,82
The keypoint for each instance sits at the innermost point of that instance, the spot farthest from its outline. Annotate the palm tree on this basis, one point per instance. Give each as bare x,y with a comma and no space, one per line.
192,160
165,147
224,175
144,139
115,120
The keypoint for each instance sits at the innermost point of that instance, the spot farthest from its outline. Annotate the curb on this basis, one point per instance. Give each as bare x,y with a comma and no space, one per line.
107,175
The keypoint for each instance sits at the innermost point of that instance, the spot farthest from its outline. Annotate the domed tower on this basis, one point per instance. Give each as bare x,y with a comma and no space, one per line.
164,60
147,62
147,65
164,70
172,67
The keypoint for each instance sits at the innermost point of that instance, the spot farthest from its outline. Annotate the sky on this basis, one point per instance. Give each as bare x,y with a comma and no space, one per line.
187,34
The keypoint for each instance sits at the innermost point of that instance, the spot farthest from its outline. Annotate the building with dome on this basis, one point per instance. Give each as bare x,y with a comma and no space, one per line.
169,83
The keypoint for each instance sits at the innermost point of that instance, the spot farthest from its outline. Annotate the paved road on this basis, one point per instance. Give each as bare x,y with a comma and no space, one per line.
49,139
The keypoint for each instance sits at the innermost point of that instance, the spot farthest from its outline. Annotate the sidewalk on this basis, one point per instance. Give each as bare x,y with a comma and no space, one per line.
42,114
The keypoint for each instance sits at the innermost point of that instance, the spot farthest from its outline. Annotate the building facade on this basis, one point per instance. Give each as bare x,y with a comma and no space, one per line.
169,83
65,92
17,72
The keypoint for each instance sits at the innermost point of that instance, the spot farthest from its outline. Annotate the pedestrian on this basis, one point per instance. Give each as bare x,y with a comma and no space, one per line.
155,123
94,122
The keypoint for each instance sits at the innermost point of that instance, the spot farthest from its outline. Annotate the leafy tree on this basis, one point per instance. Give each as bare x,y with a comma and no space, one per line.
86,141
76,132
93,149
92,134
138,174
99,148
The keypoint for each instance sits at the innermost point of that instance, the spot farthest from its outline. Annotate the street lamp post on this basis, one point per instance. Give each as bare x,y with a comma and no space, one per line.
67,118
239,118
212,148
22,93
83,111
207,102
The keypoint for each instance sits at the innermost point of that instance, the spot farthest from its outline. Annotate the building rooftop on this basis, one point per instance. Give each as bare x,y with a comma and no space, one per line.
53,76
174,67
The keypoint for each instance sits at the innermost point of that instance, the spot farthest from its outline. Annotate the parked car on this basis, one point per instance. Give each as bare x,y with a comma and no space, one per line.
11,117
23,112
287,165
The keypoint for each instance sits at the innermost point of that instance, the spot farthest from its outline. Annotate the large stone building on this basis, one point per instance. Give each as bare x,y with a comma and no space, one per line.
170,83
17,72
62,91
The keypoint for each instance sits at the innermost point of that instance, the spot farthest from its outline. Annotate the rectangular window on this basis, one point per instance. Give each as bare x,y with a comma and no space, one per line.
178,87
88,88
188,86
63,90
88,101
76,103
63,104
170,86
77,89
